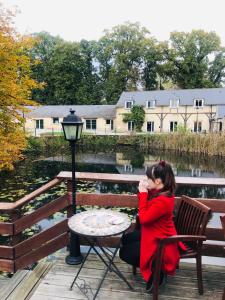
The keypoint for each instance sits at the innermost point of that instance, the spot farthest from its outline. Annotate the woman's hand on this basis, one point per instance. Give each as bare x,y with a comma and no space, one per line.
143,186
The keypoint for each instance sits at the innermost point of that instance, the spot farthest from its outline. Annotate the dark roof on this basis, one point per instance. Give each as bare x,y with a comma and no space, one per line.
211,96
60,111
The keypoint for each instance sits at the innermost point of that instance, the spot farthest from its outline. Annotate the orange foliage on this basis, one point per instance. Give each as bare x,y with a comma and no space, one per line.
16,85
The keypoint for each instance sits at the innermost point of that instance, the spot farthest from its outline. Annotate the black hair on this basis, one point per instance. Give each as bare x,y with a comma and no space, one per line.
163,171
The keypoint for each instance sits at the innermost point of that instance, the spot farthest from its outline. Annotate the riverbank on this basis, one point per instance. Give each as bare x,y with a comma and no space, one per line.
188,143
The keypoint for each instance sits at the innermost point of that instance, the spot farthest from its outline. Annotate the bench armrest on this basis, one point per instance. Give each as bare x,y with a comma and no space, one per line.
182,238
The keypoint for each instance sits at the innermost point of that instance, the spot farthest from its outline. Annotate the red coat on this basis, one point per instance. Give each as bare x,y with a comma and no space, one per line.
156,219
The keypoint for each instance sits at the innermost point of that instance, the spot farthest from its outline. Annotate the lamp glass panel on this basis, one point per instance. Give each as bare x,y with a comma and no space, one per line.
70,132
79,131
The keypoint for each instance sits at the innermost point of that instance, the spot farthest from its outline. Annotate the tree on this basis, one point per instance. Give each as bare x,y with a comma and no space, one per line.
42,52
89,91
125,58
119,53
137,115
217,68
72,78
67,70
65,74
195,59
15,89
153,57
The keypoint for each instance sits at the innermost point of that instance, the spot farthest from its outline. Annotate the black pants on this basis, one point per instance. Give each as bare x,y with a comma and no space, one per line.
130,248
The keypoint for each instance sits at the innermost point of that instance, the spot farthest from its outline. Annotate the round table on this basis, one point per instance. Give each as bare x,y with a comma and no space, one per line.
94,225
99,223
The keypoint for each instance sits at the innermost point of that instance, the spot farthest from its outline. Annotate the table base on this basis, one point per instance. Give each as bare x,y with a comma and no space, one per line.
107,259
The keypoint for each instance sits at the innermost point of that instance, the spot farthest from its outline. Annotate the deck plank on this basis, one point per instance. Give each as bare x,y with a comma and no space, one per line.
185,271
28,282
55,284
11,284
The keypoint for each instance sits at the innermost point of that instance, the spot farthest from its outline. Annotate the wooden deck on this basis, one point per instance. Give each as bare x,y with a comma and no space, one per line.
51,281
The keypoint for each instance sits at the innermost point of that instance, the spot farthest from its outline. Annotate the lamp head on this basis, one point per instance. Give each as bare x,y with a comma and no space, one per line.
72,127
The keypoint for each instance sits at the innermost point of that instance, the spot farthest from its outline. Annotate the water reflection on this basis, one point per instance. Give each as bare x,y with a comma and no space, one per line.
191,165
32,173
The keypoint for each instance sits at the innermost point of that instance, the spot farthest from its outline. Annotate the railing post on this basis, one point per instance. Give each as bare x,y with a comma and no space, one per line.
17,238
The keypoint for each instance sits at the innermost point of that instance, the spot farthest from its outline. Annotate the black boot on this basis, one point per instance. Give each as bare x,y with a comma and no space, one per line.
162,279
149,284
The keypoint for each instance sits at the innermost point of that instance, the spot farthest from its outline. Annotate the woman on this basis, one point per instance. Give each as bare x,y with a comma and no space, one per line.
156,205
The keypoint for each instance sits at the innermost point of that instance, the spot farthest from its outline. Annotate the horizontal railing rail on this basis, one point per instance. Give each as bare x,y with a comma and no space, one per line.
23,201
125,178
21,253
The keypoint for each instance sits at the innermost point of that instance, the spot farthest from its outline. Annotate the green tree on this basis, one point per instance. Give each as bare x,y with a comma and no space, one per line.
193,59
66,74
126,58
152,59
67,71
42,52
137,115
89,91
217,68
119,54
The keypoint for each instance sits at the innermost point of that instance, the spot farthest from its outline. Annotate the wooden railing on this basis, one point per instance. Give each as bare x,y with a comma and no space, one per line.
21,253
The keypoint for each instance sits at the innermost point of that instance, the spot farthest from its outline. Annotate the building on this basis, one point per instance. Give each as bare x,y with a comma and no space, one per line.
199,110
47,118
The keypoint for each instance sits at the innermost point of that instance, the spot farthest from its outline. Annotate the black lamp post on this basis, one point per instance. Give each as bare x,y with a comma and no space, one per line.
72,129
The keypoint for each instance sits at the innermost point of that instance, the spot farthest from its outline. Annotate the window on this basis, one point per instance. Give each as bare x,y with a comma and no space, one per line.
174,171
129,104
198,103
197,126
55,120
196,172
174,103
173,126
128,168
110,123
91,124
150,126
150,104
40,124
130,125
146,167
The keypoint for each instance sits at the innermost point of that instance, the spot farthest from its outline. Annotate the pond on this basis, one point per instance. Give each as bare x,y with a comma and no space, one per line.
33,172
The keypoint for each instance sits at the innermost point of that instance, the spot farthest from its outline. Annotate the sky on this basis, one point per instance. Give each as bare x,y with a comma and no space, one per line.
74,20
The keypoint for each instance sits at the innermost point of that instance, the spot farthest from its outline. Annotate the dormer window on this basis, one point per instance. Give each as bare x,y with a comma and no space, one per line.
129,104
174,103
150,104
55,120
198,103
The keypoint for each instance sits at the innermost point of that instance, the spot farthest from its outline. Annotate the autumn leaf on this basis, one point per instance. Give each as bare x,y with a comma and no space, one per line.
16,86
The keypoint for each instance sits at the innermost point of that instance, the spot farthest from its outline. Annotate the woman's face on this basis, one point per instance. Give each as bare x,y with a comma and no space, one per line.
151,184
156,184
